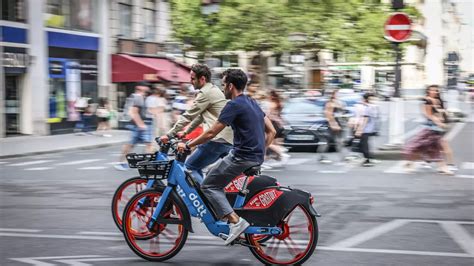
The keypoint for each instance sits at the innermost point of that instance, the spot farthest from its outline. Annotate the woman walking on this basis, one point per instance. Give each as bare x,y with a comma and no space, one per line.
103,116
273,111
426,145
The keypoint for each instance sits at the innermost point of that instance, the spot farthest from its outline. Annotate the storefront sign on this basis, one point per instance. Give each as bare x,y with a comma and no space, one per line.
57,67
88,69
18,60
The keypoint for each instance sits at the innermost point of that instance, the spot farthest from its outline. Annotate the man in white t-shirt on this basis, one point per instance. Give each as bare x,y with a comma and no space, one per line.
156,105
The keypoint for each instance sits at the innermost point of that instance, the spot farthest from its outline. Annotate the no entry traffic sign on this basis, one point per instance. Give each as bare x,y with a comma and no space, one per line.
398,27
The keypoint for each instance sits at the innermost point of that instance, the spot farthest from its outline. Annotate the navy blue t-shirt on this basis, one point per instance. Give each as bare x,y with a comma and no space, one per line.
247,121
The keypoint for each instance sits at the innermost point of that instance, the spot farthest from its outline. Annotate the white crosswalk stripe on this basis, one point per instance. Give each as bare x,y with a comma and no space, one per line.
80,162
93,168
38,168
31,162
467,165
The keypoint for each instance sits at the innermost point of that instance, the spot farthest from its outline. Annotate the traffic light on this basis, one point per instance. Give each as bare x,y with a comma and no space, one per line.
397,4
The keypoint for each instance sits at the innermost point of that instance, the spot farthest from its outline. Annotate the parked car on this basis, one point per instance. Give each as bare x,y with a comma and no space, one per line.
305,124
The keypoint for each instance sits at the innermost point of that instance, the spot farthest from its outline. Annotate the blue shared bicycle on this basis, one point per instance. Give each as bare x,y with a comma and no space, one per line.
135,184
157,220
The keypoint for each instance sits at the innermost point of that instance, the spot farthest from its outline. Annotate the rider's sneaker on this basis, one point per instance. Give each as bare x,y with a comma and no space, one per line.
236,230
285,158
121,166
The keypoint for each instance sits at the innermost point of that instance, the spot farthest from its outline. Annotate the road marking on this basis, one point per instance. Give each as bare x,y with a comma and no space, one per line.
398,168
394,251
80,262
464,176
92,168
3,162
467,165
20,230
460,236
78,237
297,161
100,233
38,168
332,171
454,131
80,162
370,234
31,162
37,260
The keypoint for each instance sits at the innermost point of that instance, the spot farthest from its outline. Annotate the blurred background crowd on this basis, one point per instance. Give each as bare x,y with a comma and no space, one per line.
71,65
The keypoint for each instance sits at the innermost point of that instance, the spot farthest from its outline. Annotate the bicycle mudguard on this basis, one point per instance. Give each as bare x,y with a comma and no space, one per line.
187,223
254,184
269,206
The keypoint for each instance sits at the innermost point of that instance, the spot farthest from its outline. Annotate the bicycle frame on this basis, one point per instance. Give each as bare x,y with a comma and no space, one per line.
187,191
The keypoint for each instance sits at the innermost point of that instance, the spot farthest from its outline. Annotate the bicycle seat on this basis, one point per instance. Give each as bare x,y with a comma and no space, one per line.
254,170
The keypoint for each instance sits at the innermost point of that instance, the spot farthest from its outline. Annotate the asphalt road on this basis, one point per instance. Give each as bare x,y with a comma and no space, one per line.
55,210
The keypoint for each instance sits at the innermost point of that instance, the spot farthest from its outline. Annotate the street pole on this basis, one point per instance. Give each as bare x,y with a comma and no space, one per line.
396,118
398,72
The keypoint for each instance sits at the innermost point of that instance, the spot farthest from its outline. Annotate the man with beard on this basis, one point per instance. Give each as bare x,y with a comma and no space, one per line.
205,110
253,132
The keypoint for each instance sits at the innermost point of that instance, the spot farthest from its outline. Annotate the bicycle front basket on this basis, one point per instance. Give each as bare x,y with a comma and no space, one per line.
134,158
159,169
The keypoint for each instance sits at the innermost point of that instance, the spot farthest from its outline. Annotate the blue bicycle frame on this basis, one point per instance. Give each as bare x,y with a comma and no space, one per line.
196,206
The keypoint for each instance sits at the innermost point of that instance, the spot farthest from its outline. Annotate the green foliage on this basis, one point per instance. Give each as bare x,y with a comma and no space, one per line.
350,27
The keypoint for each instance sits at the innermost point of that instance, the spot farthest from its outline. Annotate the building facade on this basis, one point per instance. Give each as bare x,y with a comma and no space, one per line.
56,51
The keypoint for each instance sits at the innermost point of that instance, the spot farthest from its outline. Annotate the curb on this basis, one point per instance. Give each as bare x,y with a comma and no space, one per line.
102,145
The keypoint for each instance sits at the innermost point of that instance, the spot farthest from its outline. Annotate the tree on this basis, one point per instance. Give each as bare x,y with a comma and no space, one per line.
353,28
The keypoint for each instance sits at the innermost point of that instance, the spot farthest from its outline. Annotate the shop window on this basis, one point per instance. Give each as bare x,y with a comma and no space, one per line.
125,20
73,15
14,10
149,24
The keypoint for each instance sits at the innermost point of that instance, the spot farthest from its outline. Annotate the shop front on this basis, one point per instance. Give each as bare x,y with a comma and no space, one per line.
72,75
127,70
15,64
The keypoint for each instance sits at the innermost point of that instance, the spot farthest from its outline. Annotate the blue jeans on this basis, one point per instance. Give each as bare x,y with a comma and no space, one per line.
204,155
142,135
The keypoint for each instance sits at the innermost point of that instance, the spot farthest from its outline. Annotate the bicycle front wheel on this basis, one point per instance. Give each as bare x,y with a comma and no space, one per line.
122,195
294,246
162,242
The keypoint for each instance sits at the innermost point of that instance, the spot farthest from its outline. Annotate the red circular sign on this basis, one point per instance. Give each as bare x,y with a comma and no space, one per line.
398,27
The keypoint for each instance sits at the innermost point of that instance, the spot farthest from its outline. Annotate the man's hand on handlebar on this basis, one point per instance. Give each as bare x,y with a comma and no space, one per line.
183,147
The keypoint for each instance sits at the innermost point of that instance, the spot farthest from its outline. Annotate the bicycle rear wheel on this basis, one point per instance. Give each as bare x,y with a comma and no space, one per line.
294,246
164,241
123,194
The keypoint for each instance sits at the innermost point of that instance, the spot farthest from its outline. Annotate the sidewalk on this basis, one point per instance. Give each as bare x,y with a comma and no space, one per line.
29,145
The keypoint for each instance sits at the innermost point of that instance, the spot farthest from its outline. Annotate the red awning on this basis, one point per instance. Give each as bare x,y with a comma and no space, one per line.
127,68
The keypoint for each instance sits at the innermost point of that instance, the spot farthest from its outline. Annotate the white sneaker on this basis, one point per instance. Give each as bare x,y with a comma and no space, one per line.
236,230
121,166
285,158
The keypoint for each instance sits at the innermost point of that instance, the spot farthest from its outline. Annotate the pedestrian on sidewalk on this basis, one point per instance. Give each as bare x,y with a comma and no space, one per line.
446,148
156,106
82,106
142,125
103,113
332,110
272,107
426,145
367,127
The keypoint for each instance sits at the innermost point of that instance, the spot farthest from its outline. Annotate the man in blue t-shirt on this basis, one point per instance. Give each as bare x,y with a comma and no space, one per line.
253,132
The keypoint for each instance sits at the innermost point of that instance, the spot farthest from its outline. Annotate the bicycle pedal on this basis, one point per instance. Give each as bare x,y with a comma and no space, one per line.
223,236
243,243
